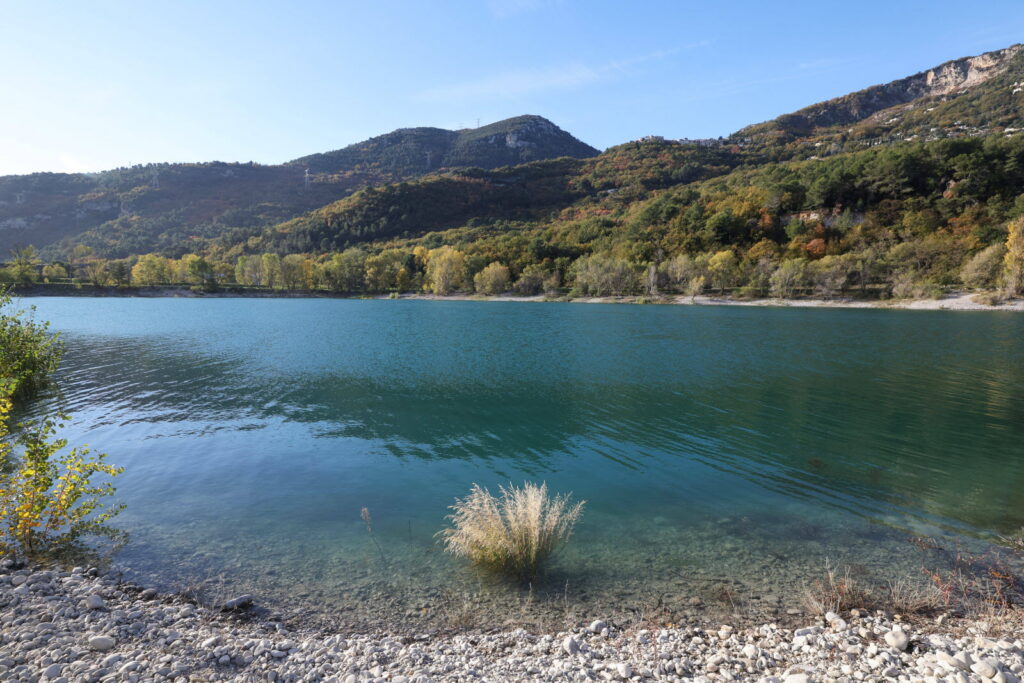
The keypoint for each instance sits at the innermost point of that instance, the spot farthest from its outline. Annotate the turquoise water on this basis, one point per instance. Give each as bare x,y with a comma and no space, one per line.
726,454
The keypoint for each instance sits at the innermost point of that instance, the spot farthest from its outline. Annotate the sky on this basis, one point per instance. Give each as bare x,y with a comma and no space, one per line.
86,86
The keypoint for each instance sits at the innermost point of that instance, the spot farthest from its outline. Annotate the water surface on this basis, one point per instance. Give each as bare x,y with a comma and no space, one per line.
726,454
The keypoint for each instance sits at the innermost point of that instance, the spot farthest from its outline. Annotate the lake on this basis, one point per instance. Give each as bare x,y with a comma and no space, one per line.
726,454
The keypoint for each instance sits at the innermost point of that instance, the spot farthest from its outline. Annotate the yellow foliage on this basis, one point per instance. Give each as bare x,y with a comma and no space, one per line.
1014,258
46,499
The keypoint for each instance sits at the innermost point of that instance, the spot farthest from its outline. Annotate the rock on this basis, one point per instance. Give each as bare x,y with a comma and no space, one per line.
797,678
983,668
102,643
148,594
570,645
52,671
19,579
238,603
597,626
897,639
95,602
950,661
624,669
838,624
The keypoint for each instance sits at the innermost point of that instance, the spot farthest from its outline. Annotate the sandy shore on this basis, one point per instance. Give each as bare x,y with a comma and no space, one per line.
86,625
956,301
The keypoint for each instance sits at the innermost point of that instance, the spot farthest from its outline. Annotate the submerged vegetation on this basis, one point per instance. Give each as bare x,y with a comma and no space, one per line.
48,500
515,532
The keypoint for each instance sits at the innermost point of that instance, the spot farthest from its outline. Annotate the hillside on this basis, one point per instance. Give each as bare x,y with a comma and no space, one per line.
903,188
963,97
168,207
409,152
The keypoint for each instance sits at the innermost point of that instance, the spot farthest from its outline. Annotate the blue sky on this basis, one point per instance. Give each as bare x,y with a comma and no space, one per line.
101,84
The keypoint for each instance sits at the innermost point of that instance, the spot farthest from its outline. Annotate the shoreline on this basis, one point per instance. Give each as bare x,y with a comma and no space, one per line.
953,301
88,625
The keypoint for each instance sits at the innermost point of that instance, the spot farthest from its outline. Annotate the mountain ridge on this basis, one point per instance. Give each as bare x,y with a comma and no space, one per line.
142,205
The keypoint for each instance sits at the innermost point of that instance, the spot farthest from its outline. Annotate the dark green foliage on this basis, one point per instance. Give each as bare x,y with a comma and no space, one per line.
29,352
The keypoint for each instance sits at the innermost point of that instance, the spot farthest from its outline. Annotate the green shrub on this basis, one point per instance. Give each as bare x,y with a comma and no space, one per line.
29,352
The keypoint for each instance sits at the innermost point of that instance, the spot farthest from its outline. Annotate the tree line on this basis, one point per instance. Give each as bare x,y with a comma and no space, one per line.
903,269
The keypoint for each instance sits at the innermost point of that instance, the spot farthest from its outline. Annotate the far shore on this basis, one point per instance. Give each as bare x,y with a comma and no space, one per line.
953,301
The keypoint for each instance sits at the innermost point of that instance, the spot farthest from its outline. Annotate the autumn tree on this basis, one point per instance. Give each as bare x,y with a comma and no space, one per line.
344,272
446,270
152,269
23,265
492,280
603,274
723,268
1013,260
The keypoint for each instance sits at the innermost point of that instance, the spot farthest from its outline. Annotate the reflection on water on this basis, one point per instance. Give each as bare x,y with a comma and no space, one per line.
712,444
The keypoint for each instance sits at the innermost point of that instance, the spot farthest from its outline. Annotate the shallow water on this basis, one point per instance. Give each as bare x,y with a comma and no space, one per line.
726,454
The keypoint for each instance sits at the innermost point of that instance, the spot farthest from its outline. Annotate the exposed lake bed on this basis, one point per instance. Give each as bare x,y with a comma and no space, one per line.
726,454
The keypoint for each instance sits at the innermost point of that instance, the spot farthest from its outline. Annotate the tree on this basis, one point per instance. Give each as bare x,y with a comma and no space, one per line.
531,280
202,273
788,278
680,270
23,265
249,271
345,271
151,269
695,287
292,269
830,274
120,272
603,274
492,280
272,271
983,269
1013,260
446,270
98,273
388,270
54,271
723,268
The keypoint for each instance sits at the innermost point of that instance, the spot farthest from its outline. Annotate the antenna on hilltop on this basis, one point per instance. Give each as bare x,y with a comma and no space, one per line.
306,179
478,122
155,179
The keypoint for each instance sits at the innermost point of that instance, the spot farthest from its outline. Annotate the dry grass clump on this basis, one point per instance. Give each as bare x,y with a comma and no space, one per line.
514,532
909,597
835,592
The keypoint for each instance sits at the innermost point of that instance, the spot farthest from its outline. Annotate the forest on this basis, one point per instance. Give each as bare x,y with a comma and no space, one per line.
646,218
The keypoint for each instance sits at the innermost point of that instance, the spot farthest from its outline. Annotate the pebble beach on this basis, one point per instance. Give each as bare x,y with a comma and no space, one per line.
85,624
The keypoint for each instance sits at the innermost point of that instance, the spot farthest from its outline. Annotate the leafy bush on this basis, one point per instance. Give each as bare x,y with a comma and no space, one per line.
514,533
47,500
29,352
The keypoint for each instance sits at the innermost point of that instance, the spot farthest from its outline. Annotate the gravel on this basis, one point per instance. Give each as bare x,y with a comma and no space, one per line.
52,630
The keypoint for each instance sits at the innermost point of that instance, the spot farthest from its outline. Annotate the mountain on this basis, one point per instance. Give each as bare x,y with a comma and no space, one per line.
167,207
408,152
966,96
924,169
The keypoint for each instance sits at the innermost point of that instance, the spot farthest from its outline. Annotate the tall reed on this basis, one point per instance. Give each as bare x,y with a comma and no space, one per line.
514,532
